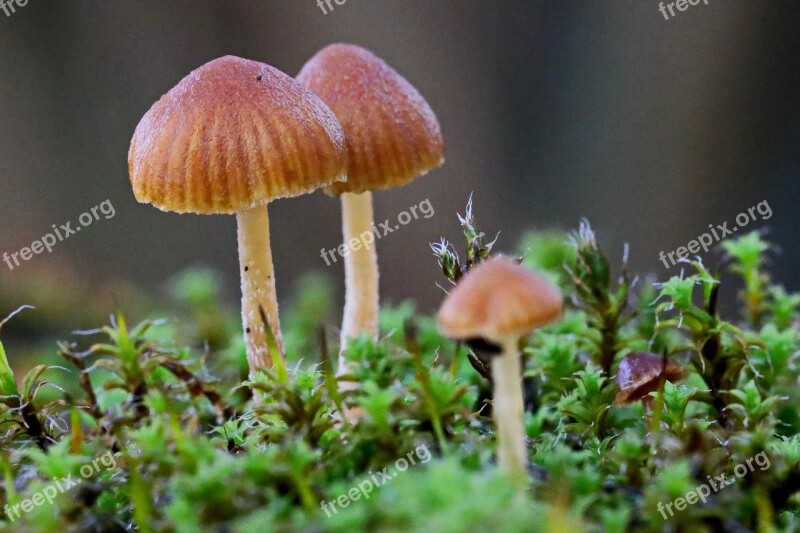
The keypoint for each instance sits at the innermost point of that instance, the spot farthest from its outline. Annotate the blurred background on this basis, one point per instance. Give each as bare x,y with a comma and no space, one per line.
551,111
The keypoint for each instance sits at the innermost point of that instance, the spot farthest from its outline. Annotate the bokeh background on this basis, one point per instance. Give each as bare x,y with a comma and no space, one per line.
551,111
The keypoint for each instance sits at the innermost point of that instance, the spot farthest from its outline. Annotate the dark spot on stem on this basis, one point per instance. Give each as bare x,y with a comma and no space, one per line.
248,330
246,269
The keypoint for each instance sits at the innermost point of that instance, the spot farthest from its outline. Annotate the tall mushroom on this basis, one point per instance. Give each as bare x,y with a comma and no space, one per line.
499,301
232,136
392,138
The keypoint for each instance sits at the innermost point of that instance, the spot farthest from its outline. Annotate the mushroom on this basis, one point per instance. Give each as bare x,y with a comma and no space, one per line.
392,138
500,301
640,373
232,136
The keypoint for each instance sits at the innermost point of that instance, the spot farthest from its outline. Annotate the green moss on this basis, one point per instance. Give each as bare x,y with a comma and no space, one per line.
197,449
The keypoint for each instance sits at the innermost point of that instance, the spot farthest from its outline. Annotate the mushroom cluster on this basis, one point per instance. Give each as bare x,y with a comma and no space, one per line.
500,302
236,134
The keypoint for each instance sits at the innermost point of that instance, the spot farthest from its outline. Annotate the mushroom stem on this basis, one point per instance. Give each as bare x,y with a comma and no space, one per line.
258,286
361,270
508,408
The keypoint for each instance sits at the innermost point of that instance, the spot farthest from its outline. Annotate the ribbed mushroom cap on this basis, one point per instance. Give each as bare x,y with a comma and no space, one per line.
499,299
232,135
392,134
639,374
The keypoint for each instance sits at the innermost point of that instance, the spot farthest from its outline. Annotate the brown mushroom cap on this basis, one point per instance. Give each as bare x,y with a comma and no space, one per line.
232,135
498,299
392,133
639,374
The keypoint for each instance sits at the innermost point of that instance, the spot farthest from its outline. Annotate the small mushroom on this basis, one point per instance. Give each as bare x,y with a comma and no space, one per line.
392,138
232,136
500,301
640,373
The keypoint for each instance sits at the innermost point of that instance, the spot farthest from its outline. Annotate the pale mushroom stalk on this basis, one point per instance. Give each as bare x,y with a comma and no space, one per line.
258,285
508,411
361,270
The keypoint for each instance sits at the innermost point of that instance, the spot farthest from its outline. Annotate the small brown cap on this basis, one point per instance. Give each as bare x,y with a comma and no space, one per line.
232,135
392,134
498,299
639,374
